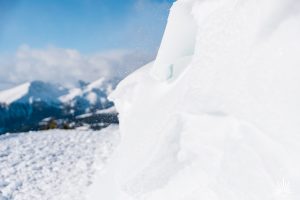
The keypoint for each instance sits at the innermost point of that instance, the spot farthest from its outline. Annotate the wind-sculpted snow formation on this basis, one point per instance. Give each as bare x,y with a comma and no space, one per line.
216,115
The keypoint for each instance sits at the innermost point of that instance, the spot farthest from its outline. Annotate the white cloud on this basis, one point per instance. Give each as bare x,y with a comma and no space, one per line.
67,66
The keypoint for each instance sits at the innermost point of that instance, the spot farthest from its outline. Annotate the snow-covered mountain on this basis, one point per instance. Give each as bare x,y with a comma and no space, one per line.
93,93
89,97
13,94
29,103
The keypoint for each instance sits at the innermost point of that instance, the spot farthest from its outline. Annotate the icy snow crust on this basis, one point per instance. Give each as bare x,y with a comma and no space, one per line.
216,115
52,165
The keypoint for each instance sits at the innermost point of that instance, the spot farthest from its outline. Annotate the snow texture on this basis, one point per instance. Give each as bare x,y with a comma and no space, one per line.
216,115
52,164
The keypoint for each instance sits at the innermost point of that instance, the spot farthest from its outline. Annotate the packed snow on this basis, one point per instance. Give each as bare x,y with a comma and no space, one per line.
52,165
216,115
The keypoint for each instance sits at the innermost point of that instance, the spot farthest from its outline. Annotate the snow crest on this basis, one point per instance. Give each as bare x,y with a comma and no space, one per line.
216,115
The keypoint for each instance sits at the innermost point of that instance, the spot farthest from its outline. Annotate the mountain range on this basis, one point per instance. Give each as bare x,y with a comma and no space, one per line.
41,105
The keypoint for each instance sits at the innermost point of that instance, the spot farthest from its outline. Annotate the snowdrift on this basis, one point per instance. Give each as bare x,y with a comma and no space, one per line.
216,115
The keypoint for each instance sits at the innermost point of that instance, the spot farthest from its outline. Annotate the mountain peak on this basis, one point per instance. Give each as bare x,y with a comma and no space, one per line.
13,94
32,91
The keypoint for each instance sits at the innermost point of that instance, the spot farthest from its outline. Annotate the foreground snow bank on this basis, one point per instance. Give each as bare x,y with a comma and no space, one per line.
54,165
216,116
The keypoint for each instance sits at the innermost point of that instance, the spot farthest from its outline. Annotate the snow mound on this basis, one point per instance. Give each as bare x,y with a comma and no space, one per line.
216,116
13,94
52,164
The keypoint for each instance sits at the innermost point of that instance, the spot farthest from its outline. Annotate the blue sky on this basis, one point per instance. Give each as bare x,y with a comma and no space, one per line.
85,25
99,37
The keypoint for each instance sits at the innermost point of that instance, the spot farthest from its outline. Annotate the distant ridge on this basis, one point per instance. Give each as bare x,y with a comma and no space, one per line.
27,106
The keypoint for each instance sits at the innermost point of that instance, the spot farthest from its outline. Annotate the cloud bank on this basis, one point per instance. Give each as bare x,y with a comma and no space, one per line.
67,66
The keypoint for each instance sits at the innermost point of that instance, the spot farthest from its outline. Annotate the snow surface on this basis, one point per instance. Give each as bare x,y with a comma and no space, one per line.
55,164
11,95
216,115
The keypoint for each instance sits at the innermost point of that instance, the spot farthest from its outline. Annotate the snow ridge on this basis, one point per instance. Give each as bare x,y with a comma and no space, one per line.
11,95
